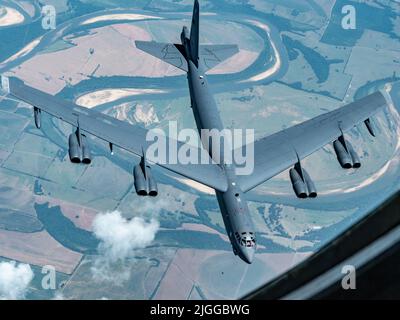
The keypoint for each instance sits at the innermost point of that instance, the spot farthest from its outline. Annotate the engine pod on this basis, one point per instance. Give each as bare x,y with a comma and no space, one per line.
86,154
343,156
74,149
152,183
354,156
312,190
38,117
298,184
140,181
371,127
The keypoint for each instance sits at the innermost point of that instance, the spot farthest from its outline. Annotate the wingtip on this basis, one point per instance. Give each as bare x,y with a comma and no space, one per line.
141,45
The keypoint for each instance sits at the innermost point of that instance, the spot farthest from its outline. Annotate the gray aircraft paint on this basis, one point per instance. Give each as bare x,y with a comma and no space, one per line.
292,144
233,206
273,154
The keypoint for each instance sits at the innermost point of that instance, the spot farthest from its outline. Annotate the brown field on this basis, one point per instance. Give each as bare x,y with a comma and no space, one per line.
38,249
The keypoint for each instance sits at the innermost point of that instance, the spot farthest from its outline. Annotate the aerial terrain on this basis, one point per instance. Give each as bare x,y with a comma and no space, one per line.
104,242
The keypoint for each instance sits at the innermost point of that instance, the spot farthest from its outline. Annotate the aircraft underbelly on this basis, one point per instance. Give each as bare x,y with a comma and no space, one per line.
204,105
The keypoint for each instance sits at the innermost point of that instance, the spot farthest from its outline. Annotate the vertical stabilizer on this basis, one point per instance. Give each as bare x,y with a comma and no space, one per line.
194,33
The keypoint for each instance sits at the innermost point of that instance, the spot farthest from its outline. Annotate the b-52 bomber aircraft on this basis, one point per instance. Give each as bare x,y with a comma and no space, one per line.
272,155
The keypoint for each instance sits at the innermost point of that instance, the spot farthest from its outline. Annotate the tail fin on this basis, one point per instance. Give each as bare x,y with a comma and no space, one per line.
194,33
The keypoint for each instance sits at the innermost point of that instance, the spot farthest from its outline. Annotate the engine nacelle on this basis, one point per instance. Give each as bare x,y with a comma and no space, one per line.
354,156
299,186
140,181
343,156
38,115
302,183
86,154
371,127
145,184
347,156
312,190
152,184
74,148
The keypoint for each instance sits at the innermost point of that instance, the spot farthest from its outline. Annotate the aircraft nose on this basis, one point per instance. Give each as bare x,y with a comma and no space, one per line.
248,255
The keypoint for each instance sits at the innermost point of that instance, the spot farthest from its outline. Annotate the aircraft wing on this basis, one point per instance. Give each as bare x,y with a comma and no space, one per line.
213,55
119,133
278,152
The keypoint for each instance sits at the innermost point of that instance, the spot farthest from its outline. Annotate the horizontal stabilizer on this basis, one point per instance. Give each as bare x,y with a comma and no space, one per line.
210,55
213,55
167,52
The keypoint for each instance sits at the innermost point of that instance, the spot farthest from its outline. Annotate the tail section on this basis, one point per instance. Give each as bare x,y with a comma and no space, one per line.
195,34
178,55
169,53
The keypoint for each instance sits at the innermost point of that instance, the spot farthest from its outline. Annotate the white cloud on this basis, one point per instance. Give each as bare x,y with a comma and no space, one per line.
58,296
119,238
14,280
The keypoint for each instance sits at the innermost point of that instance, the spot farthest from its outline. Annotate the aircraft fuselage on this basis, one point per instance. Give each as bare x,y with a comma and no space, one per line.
232,203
